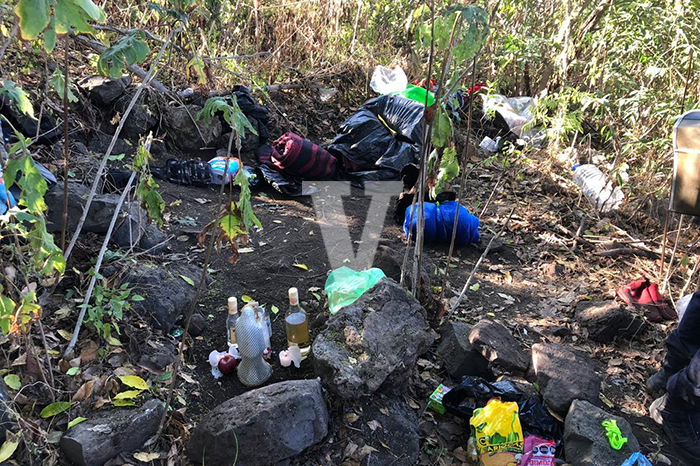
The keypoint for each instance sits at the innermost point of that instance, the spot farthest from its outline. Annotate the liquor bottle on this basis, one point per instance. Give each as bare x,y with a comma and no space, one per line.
297,324
231,321
264,317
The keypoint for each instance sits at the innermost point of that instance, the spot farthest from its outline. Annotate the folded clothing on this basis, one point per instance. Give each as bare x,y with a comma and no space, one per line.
295,156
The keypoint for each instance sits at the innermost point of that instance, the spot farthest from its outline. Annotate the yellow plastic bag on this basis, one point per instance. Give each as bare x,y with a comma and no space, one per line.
497,433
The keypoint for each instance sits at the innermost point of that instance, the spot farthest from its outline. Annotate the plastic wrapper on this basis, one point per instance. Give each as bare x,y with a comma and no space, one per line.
497,433
637,459
538,451
386,134
344,286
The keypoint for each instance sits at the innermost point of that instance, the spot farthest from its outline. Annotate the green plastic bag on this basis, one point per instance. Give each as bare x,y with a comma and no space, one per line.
417,94
344,286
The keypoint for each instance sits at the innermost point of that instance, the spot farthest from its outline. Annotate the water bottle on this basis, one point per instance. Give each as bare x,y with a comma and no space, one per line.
596,188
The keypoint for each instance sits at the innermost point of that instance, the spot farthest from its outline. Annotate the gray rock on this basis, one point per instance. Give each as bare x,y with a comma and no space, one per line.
104,91
197,324
166,294
391,428
140,121
132,227
184,135
101,438
372,344
98,219
499,347
249,143
564,375
459,356
585,443
100,143
606,320
269,424
158,357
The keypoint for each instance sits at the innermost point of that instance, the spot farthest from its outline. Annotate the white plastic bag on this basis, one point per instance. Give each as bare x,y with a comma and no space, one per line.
517,111
385,80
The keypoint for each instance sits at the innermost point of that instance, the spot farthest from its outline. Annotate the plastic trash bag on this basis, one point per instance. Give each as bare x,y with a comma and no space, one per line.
517,111
439,222
637,459
344,286
385,80
417,94
497,433
385,135
474,392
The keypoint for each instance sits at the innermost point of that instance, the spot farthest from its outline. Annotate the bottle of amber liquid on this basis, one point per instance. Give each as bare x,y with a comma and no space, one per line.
297,324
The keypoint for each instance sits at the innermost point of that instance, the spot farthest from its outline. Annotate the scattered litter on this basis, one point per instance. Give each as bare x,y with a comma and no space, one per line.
344,286
435,400
497,433
612,431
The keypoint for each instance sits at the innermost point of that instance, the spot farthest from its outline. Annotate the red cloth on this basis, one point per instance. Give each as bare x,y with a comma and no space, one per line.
646,295
295,156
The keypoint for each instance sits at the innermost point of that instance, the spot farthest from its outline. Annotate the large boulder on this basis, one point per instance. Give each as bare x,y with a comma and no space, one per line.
585,442
102,437
268,425
458,355
101,141
372,344
167,295
186,136
606,320
98,219
141,119
104,91
131,229
564,375
499,347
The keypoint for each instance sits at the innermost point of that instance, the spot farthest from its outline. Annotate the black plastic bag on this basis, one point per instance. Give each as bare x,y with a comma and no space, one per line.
383,137
475,392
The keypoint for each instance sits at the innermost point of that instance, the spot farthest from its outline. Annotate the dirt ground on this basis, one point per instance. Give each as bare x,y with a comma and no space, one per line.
530,284
548,259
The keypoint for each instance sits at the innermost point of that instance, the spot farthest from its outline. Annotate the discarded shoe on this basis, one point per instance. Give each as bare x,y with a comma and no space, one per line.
682,425
645,295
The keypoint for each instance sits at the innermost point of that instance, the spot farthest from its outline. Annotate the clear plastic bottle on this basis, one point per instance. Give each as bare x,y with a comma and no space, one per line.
297,324
231,321
264,316
596,188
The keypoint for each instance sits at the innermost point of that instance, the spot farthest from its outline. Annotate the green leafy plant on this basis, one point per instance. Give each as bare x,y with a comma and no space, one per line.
146,191
54,18
108,309
128,50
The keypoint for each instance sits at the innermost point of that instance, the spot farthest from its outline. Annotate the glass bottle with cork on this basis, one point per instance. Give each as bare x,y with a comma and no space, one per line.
297,324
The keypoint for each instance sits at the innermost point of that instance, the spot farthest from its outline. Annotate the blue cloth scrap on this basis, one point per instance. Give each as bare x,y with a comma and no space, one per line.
439,220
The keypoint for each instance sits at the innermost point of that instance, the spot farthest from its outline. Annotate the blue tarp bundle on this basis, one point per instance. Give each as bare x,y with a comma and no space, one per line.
439,219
